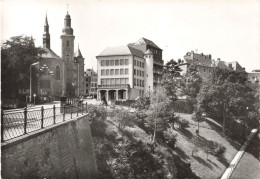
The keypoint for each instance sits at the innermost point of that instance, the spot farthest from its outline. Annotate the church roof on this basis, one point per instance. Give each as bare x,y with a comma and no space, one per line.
121,50
144,41
50,54
78,53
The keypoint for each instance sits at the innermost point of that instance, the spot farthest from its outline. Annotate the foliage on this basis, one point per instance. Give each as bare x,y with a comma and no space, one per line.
142,103
160,112
170,137
97,117
96,113
183,123
17,54
172,81
193,81
139,118
124,118
225,95
216,148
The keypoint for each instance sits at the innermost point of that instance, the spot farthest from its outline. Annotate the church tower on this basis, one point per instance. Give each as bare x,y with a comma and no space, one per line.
67,54
46,35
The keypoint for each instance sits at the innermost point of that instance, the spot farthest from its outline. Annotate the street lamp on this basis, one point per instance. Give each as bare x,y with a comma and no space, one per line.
203,115
30,98
46,71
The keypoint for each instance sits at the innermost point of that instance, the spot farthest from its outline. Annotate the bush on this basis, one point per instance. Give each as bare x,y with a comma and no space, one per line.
170,137
96,113
183,123
216,148
124,118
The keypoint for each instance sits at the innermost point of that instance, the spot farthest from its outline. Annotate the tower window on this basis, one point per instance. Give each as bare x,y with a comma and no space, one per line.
57,73
68,43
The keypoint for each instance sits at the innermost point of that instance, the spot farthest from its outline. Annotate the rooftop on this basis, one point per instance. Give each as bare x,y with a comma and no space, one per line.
144,41
50,54
121,50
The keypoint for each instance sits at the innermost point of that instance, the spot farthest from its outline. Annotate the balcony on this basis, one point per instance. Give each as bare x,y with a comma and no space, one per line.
159,72
159,62
114,86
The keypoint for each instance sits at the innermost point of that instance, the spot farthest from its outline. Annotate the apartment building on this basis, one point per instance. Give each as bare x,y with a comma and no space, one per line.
128,72
91,83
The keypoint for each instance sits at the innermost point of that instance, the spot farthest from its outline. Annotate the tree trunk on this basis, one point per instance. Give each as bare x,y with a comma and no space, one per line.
224,120
154,132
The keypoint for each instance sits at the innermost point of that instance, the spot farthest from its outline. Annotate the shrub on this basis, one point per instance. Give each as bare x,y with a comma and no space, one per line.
96,113
124,118
216,148
170,137
183,123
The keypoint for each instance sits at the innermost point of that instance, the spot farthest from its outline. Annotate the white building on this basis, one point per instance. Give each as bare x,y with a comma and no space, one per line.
128,72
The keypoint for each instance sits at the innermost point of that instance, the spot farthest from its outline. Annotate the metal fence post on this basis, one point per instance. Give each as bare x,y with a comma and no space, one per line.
54,117
77,110
42,110
71,112
64,112
25,120
82,108
2,125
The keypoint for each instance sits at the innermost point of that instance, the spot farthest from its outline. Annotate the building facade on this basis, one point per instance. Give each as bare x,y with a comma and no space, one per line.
254,83
61,75
128,72
91,83
205,64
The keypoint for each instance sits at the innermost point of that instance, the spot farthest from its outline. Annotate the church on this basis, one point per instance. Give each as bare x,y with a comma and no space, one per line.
60,76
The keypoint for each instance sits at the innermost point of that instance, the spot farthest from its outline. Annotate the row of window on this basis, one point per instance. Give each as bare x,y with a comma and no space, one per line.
112,81
107,72
139,72
139,64
114,62
138,82
91,79
92,85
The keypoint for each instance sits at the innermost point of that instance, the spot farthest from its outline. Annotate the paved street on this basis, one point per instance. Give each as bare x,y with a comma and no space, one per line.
249,165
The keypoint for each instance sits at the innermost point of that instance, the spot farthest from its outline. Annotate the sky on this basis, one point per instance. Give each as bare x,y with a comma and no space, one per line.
226,29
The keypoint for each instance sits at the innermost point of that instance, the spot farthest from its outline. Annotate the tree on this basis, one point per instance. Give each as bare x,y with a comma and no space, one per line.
226,96
18,54
172,80
160,113
193,81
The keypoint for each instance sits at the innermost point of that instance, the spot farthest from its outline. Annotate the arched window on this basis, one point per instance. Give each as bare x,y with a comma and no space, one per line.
57,76
68,43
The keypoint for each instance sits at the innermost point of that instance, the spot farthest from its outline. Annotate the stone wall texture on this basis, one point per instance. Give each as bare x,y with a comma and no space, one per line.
62,151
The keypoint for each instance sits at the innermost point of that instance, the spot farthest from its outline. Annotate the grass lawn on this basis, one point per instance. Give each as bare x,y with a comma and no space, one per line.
211,167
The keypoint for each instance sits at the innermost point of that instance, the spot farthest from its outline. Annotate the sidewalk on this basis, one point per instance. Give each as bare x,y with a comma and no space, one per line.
238,156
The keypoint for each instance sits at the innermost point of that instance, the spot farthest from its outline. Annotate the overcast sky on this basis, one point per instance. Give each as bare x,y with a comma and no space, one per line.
229,30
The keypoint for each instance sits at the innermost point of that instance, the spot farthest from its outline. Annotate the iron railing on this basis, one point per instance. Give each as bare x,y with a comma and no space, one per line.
15,123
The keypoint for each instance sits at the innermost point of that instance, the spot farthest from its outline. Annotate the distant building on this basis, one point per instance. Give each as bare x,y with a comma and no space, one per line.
254,83
61,75
128,72
91,83
205,63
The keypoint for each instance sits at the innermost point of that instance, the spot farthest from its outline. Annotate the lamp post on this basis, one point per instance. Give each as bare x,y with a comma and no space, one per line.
30,98
46,71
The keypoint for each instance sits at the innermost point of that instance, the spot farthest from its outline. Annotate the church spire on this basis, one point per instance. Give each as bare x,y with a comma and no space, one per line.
67,30
46,34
